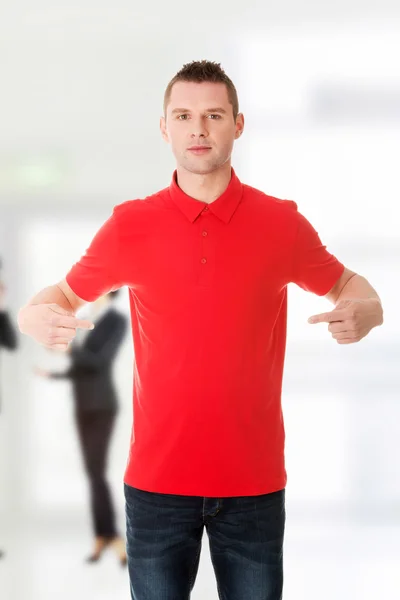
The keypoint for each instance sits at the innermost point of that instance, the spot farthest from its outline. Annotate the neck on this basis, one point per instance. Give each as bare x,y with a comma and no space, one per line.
205,188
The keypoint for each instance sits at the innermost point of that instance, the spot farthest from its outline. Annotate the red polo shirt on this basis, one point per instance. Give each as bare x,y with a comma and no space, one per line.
208,298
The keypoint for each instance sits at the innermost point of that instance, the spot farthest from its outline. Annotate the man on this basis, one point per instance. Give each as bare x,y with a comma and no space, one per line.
207,262
8,338
96,407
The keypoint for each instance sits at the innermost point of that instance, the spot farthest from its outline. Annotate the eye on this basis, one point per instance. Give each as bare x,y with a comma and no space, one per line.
215,117
182,117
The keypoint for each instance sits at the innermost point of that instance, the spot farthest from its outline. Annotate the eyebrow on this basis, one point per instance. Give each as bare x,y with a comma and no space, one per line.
209,110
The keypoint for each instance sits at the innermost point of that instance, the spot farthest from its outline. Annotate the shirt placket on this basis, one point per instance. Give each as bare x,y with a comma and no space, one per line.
206,230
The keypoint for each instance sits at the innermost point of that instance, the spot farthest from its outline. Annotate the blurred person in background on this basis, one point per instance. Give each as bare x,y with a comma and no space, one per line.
207,261
8,336
96,405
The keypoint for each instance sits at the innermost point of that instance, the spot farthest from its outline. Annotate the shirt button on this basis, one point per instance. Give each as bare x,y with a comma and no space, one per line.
203,261
206,208
205,233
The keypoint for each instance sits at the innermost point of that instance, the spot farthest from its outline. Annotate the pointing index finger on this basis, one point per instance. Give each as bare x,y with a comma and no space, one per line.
71,322
84,324
329,317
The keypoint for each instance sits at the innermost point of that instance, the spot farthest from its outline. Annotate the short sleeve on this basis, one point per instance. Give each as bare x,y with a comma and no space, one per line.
314,268
96,273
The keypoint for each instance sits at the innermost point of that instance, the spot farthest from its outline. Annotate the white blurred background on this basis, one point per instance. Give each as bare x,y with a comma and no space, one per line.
82,89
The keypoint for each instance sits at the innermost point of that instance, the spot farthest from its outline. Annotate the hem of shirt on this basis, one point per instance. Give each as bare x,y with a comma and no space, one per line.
205,491
75,288
329,283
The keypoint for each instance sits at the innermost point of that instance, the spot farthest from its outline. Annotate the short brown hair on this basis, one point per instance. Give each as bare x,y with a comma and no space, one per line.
204,70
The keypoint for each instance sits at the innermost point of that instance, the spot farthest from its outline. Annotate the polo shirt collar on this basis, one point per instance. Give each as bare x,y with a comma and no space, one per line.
223,207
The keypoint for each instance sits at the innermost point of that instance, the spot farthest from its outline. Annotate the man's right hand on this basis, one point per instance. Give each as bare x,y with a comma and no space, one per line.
50,325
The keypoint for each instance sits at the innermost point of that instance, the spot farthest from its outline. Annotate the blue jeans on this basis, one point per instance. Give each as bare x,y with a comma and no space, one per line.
164,534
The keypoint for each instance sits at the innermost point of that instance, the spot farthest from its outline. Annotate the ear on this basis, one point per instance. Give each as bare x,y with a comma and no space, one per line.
239,126
163,129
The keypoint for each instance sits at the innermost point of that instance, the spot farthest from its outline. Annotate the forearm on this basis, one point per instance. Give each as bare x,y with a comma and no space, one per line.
357,288
51,295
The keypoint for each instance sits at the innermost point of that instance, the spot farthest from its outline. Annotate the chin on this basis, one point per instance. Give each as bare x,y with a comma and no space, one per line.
199,168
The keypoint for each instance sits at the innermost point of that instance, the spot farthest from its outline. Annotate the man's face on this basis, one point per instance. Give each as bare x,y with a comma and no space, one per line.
200,127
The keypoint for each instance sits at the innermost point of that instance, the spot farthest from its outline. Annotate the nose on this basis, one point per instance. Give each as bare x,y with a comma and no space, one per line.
199,129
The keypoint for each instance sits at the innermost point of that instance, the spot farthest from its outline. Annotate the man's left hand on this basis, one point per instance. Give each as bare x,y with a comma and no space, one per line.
351,320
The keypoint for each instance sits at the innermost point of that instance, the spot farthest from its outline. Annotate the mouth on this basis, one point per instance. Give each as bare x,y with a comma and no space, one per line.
199,149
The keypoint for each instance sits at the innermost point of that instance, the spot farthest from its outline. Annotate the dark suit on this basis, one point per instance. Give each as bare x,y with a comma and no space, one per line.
91,364
95,409
8,337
